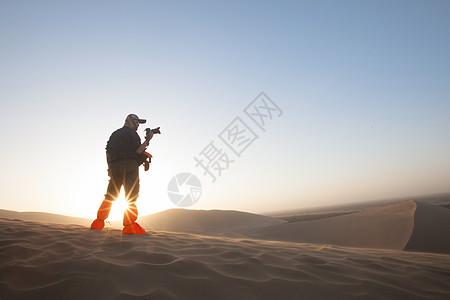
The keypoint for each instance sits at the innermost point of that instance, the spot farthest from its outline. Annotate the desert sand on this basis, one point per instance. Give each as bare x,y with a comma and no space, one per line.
399,251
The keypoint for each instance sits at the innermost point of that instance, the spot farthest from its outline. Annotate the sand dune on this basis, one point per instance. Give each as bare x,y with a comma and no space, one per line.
216,222
50,261
431,231
387,227
43,217
407,225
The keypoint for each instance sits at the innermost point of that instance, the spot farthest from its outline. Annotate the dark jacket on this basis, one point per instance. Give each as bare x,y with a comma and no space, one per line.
122,145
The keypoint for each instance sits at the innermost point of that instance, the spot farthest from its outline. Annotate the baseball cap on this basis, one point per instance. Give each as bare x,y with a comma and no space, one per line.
135,117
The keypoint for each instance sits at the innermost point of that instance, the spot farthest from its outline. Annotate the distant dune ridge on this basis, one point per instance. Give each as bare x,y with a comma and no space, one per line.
43,217
188,254
403,226
208,222
408,225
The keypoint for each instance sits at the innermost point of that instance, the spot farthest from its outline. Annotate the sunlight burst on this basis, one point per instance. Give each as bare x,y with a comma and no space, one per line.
118,208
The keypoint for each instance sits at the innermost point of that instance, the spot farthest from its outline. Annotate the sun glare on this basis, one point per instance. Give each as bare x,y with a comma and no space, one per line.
84,202
118,208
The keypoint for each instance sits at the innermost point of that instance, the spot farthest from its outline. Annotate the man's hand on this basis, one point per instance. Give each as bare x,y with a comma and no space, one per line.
144,145
149,135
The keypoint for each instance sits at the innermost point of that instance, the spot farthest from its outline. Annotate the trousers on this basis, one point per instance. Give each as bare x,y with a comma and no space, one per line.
123,173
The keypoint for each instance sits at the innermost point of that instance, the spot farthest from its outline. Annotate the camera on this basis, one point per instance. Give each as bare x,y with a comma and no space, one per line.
155,131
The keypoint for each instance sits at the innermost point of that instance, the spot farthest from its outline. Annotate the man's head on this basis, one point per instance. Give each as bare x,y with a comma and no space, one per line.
133,121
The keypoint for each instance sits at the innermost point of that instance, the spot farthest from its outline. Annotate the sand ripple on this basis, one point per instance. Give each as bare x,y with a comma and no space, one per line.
48,261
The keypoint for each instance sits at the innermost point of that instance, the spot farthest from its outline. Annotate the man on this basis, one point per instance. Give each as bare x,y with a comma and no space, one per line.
123,152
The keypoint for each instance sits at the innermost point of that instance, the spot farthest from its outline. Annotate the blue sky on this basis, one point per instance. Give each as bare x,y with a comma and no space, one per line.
363,86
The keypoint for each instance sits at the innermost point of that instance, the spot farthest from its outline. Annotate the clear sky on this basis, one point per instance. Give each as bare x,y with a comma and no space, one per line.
363,86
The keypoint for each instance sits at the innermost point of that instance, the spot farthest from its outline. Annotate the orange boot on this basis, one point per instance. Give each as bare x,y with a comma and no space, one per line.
129,221
102,214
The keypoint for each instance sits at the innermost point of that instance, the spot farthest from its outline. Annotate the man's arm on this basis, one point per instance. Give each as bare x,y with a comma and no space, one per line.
144,145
